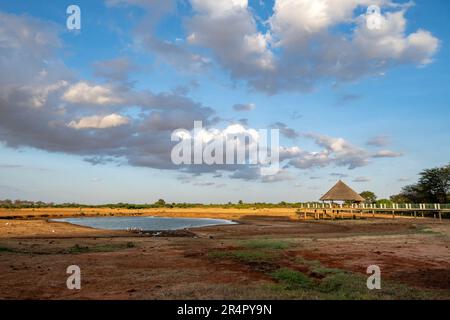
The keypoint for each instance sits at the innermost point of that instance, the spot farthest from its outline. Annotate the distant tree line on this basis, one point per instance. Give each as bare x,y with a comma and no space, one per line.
21,204
432,187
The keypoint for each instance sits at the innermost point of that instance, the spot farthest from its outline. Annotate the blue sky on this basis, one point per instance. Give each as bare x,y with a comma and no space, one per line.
86,115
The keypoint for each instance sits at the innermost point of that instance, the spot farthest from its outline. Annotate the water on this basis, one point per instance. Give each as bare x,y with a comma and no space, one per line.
144,223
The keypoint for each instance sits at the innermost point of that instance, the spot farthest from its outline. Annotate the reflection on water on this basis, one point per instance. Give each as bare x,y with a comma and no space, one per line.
144,223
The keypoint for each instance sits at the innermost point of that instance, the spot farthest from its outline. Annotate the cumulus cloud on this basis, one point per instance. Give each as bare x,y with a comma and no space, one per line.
44,105
361,179
337,151
99,122
229,30
302,46
302,43
86,93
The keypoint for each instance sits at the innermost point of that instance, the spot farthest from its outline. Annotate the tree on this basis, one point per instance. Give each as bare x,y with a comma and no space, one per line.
369,196
414,194
160,203
384,201
399,198
433,187
435,184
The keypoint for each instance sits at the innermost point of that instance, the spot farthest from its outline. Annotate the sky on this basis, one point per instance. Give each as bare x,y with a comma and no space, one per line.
87,115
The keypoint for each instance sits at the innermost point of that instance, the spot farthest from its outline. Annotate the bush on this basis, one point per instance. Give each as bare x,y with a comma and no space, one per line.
292,279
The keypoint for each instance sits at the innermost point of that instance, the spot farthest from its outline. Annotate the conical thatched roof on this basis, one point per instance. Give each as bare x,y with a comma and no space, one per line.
342,192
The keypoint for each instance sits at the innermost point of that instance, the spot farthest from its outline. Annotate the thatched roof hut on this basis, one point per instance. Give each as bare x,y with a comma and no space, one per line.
342,192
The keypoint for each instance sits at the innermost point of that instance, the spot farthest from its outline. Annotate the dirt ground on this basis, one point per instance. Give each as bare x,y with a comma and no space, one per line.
35,253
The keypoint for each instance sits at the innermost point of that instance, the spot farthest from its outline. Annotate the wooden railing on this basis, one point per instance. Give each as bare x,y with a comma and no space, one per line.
360,211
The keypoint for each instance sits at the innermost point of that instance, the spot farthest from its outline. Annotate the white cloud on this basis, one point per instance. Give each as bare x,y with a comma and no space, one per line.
391,43
219,7
86,93
37,79
290,152
229,29
387,154
34,95
295,20
307,41
335,151
303,43
99,122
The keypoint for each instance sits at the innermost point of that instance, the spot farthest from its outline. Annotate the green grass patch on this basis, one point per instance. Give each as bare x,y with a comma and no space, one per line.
254,256
316,281
99,248
343,285
427,231
5,249
218,255
245,256
291,279
20,251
